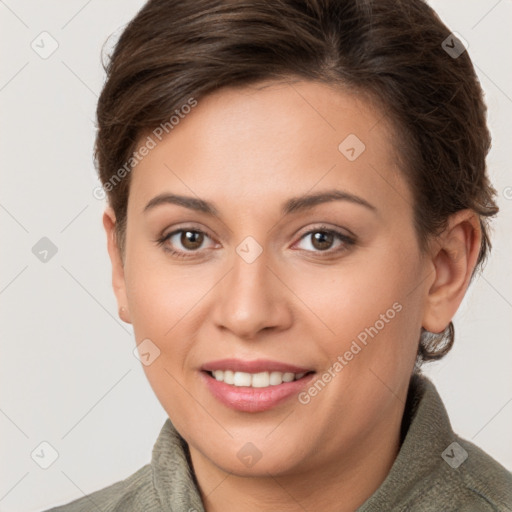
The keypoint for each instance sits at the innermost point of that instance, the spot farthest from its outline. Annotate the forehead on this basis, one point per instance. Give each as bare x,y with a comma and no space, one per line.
270,139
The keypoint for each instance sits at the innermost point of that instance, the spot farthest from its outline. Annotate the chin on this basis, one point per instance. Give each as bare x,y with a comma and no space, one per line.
247,460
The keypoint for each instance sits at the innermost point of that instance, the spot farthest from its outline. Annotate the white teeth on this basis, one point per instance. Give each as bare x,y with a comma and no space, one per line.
242,379
255,380
229,377
260,380
276,378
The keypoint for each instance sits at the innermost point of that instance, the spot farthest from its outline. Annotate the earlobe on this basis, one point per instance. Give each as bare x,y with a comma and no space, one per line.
124,314
454,255
118,275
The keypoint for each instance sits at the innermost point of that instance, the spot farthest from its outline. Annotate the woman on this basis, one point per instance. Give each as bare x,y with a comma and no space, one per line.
298,202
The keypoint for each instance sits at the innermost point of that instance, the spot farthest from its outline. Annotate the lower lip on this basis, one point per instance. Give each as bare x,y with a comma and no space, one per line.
248,399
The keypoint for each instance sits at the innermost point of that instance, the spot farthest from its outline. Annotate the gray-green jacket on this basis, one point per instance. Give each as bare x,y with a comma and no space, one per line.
435,471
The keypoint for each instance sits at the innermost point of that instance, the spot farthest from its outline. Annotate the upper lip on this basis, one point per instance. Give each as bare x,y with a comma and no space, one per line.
254,366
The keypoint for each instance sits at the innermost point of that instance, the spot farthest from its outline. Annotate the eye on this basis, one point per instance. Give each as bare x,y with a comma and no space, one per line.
190,240
322,239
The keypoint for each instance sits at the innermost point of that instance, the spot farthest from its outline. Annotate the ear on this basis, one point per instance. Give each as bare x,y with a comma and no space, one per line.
454,255
118,281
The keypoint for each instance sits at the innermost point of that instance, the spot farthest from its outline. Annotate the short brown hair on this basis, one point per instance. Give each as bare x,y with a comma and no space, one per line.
390,50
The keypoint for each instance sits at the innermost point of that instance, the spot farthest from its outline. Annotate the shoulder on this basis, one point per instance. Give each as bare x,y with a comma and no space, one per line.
478,477
462,476
464,479
436,469
134,493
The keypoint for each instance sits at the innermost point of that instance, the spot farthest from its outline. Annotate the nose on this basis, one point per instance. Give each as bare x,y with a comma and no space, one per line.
252,298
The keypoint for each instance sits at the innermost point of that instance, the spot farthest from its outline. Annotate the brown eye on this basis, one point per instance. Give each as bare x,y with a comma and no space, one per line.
322,240
191,240
185,243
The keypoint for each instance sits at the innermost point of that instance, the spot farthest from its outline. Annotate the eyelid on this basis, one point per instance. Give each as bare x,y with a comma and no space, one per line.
331,229
186,227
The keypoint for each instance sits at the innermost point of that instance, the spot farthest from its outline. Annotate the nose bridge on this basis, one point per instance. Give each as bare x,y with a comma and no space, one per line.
250,266
250,299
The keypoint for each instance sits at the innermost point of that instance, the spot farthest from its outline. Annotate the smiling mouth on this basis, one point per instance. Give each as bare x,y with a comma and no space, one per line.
256,380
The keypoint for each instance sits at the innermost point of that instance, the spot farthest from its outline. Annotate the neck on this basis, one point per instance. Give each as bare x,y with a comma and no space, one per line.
340,484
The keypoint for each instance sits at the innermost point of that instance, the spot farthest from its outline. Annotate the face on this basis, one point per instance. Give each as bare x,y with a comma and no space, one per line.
282,293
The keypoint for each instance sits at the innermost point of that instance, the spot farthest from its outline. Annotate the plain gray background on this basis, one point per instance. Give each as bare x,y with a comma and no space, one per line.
68,374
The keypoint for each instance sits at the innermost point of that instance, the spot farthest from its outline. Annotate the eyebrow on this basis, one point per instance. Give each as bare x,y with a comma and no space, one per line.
293,205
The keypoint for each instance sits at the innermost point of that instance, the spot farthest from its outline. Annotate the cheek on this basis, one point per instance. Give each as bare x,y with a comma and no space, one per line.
157,300
366,311
160,293
353,294
166,301
161,300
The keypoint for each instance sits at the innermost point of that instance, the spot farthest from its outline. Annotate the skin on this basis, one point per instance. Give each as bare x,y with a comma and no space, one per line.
248,150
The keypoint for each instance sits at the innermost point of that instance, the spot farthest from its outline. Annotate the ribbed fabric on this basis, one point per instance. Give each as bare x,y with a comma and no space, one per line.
420,480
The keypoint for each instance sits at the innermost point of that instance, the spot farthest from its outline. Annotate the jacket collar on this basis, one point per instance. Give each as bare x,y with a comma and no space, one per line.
425,424
173,477
426,433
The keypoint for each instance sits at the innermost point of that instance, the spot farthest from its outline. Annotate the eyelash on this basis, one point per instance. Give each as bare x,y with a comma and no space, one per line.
347,241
